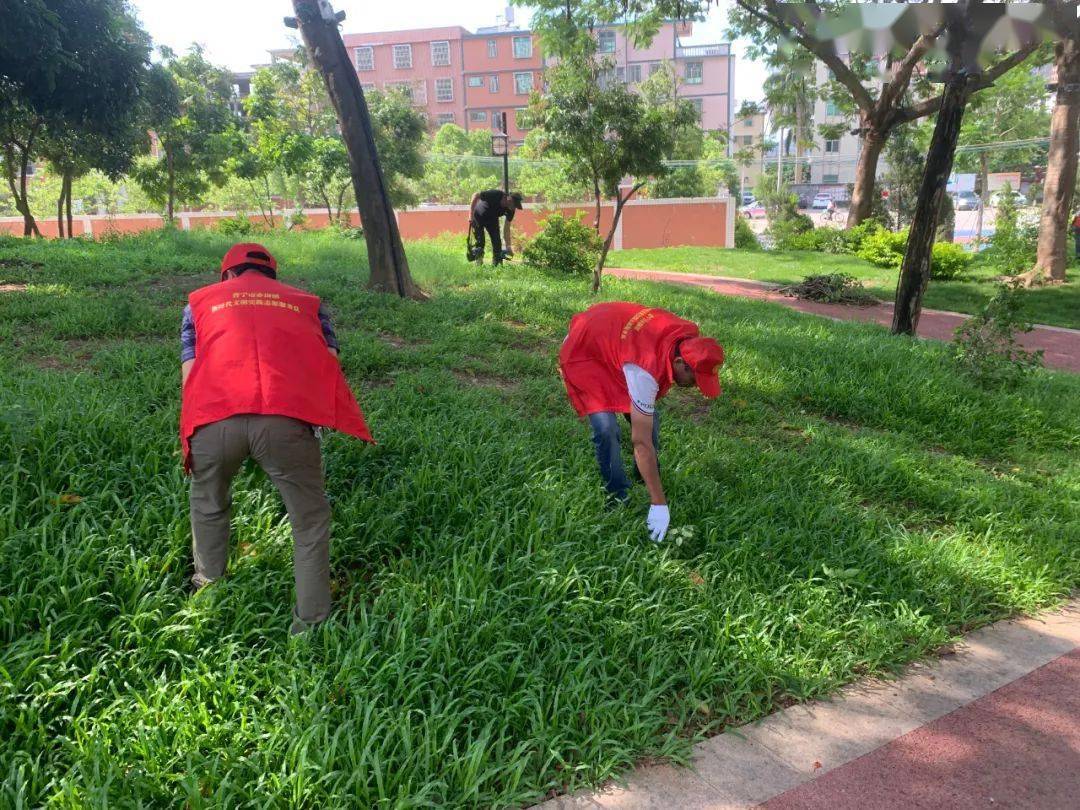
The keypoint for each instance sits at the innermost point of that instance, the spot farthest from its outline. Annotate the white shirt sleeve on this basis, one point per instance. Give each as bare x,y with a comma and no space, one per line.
643,388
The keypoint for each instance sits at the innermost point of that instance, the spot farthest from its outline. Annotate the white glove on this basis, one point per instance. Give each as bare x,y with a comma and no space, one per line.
658,521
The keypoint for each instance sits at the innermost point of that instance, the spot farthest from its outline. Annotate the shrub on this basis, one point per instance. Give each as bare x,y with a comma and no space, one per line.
884,248
237,226
1013,245
854,237
835,288
985,346
564,245
745,238
948,260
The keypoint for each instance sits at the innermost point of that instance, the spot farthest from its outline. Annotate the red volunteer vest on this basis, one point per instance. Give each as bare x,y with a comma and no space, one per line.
605,337
261,350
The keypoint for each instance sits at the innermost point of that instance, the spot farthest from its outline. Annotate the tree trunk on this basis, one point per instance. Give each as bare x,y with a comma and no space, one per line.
386,255
22,205
170,205
984,180
915,271
620,201
70,229
1061,167
597,197
862,195
60,207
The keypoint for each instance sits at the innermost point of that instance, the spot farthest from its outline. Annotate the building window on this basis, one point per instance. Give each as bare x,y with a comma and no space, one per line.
419,91
749,122
365,57
402,56
698,106
522,47
493,84
444,89
521,119
832,146
606,42
634,73
440,53
830,178
367,87
444,118
832,109
476,81
493,48
748,140
692,73
478,116
605,78
523,83
620,74
654,68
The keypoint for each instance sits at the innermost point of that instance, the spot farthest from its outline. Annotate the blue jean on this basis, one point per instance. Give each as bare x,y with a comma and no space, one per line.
605,436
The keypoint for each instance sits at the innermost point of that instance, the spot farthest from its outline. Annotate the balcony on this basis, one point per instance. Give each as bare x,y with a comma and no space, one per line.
702,51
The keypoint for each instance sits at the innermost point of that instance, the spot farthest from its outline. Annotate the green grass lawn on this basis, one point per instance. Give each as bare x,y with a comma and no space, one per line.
1056,306
498,633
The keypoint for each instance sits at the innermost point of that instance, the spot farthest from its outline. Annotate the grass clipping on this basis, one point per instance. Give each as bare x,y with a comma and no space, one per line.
834,288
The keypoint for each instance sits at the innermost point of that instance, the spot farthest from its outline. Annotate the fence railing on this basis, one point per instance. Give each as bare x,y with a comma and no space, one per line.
698,51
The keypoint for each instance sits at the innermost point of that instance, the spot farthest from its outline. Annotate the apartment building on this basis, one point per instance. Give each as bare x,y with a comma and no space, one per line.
502,67
457,76
832,161
705,72
747,138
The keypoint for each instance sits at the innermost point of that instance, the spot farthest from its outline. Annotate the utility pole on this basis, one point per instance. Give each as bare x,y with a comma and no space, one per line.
318,24
506,155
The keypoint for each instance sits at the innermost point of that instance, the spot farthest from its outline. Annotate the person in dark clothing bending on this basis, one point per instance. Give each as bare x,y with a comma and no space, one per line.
484,213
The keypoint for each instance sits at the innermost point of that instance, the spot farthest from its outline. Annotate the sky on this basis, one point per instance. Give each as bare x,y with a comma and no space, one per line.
238,33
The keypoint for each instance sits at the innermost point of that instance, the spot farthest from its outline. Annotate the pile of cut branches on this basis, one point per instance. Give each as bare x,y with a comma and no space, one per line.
834,288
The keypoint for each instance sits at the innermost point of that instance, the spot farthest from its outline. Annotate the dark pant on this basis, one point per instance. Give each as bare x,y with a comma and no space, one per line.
289,453
1076,236
492,229
605,436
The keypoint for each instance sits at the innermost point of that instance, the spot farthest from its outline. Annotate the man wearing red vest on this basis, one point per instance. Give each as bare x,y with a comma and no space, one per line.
260,376
620,358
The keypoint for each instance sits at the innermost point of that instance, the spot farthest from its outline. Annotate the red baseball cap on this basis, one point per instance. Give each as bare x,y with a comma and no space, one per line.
704,356
247,253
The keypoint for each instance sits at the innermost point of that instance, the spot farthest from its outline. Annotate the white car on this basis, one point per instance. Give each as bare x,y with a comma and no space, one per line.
821,202
1019,200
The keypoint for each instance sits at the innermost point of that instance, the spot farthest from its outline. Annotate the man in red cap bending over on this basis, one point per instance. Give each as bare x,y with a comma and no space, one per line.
260,375
620,358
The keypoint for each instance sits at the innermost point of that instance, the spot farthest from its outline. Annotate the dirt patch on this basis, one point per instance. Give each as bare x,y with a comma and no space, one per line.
13,288
20,264
76,356
485,380
398,342
179,286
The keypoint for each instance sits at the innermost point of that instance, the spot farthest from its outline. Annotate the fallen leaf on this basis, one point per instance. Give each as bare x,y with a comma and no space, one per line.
67,499
817,765
696,578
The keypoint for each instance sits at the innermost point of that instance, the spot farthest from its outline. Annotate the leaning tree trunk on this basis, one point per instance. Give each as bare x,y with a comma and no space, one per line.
620,202
386,254
915,271
1061,166
984,197
862,195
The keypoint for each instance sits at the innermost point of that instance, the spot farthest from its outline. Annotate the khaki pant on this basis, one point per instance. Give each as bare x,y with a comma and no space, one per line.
289,453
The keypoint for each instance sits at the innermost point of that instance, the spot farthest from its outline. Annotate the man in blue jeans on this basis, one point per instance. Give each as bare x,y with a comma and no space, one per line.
618,360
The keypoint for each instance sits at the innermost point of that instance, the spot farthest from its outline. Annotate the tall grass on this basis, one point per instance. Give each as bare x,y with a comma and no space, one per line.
499,634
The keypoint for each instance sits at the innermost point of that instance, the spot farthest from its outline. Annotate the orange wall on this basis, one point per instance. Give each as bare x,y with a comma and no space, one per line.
699,223
644,225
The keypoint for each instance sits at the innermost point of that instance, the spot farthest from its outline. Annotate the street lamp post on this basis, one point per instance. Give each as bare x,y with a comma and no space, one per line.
500,146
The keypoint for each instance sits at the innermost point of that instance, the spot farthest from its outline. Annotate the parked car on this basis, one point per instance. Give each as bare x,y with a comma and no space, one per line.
752,209
747,197
967,201
821,202
1019,200
804,202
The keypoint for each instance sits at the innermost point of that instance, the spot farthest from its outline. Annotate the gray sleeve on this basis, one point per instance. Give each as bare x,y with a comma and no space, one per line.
187,336
328,328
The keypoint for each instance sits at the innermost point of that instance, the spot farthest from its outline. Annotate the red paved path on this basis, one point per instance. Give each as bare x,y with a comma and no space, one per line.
1018,747
1061,346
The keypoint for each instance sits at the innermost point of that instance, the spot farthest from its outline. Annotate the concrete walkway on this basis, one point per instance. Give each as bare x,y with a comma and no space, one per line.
993,723
1061,346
